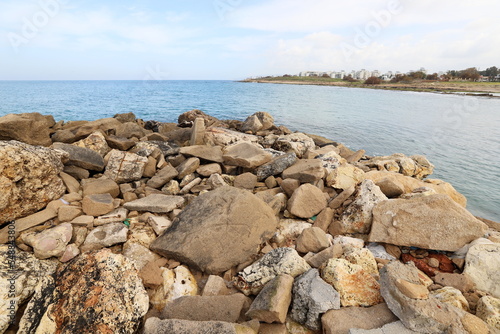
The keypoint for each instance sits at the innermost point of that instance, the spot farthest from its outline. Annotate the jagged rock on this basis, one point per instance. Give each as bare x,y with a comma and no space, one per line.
101,185
257,122
289,230
50,242
223,137
313,240
74,131
28,179
305,170
163,176
215,286
391,188
187,167
306,201
129,130
417,166
311,298
357,217
106,235
20,274
488,309
67,213
81,156
207,170
156,203
87,297
416,314
276,166
119,143
157,326
125,167
209,153
198,132
271,304
192,115
362,257
176,283
297,142
37,305
224,215
29,128
97,204
344,177
481,265
245,155
432,222
96,142
138,254
340,321
159,224
452,297
341,198
230,308
278,261
355,286
125,117
72,184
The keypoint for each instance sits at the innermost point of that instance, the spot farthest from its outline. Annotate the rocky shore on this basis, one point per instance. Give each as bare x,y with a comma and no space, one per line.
121,225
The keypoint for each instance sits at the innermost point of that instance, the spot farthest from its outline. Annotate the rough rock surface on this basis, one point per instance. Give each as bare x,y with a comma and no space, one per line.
87,298
297,142
50,242
481,265
30,128
245,155
156,203
311,298
306,201
157,326
124,166
278,261
305,170
28,179
175,283
230,223
431,222
344,176
107,235
81,157
276,166
209,153
96,142
488,309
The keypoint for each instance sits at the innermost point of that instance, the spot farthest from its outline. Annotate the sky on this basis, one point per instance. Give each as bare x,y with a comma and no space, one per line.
236,39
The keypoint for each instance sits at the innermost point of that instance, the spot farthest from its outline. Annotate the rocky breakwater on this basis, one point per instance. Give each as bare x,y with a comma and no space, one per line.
210,226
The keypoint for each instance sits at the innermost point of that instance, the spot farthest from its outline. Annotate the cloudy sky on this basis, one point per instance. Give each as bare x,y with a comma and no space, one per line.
235,39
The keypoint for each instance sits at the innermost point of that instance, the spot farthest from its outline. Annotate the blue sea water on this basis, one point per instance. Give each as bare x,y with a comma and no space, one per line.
460,135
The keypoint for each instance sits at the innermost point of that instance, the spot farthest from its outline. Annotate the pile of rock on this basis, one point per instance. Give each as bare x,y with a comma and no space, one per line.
209,226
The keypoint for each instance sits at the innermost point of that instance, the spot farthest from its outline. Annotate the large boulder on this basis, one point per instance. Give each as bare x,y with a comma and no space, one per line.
218,230
82,157
98,292
481,265
30,128
430,222
28,179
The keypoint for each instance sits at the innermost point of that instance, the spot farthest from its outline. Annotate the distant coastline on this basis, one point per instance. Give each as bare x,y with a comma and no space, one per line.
486,89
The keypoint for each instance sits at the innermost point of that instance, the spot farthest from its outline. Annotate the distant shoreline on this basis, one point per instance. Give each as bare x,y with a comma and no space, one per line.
482,89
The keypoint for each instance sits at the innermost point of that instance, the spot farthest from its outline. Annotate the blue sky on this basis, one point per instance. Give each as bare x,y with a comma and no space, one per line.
235,39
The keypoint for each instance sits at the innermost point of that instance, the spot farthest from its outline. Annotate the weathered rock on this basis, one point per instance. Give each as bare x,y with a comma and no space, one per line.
102,185
224,215
312,240
125,117
345,176
306,201
245,181
391,187
138,254
341,198
74,131
176,283
257,122
355,286
97,204
37,305
28,179
157,326
159,224
187,167
96,142
207,170
81,157
192,115
156,203
340,321
20,274
488,309
246,155
224,137
198,132
288,231
311,298
125,167
119,143
297,142
357,217
305,170
70,253
452,297
324,219
271,304
410,183
278,261
209,153
87,297
276,166
116,216
72,184
395,327
77,172
230,308
481,265
129,130
67,213
362,257
50,242
163,176
432,222
317,260
106,235
412,290
417,314
461,282
29,128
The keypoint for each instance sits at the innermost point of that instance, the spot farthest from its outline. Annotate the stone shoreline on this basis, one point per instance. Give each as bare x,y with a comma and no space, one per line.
121,225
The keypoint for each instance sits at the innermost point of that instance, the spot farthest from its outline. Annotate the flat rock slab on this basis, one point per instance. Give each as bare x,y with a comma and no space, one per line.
157,326
218,230
430,222
82,157
155,203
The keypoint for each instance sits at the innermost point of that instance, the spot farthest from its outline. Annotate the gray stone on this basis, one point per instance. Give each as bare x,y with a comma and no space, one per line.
311,298
157,326
106,235
276,166
431,222
125,167
278,261
29,128
162,177
246,155
81,157
156,203
218,220
481,265
28,179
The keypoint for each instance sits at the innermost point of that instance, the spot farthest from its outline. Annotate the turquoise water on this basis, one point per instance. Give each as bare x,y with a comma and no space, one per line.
459,134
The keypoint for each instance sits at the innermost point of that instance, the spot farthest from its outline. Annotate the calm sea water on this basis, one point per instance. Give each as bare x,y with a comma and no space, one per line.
460,135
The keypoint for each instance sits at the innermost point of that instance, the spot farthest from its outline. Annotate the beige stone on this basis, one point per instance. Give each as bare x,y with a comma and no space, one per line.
100,186
188,166
215,286
245,155
488,309
124,166
305,171
324,219
245,181
72,184
411,290
312,240
97,204
344,177
67,213
306,201
317,260
341,198
452,296
207,170
204,152
474,325
198,132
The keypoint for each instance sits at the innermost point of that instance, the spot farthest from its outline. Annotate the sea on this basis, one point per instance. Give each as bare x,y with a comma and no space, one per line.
459,134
